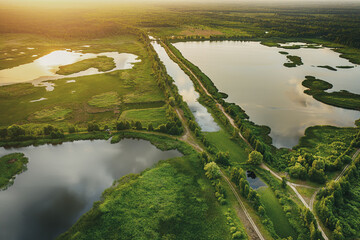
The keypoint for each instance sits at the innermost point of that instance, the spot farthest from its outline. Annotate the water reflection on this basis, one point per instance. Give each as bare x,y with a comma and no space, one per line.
63,181
45,68
254,77
187,91
254,181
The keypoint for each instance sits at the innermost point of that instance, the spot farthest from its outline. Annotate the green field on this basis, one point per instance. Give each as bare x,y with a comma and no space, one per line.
100,98
11,165
155,116
223,142
275,213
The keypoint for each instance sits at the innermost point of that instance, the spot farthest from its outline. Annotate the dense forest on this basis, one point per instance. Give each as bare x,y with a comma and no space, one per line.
337,23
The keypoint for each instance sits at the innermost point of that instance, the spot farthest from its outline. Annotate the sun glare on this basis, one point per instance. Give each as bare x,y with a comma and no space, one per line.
58,58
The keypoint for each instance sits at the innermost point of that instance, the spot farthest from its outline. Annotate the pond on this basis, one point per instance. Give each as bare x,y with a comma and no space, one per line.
254,181
254,77
45,68
187,91
63,181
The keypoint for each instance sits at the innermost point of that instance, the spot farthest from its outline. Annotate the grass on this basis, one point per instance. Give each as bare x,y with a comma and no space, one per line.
155,116
306,193
105,100
275,213
53,114
102,63
173,199
136,85
11,165
223,142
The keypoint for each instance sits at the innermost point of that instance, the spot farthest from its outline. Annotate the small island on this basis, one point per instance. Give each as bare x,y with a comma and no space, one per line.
294,61
102,63
343,99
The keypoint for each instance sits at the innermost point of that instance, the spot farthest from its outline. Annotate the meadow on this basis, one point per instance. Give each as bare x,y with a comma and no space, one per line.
76,101
174,199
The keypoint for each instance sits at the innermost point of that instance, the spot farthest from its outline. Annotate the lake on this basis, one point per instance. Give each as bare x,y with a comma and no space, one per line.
45,68
187,91
254,77
63,181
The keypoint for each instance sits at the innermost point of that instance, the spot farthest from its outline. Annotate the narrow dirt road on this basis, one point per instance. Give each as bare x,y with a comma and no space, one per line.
254,228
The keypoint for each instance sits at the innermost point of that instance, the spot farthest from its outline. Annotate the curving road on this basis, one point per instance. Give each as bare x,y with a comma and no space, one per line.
291,185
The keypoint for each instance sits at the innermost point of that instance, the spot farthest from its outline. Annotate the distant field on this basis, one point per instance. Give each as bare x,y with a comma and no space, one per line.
99,98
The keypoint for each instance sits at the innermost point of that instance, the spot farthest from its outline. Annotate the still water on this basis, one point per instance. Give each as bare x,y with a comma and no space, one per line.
187,91
254,181
63,181
45,68
254,77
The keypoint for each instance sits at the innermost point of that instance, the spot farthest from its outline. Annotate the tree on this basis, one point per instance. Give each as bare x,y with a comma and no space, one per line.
48,129
238,235
235,134
255,158
15,131
261,211
222,158
150,127
298,171
235,175
338,231
357,123
56,133
212,170
3,133
71,129
92,127
138,125
172,101
283,182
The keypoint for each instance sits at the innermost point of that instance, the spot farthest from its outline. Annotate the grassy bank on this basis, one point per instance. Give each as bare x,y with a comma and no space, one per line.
11,165
175,197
